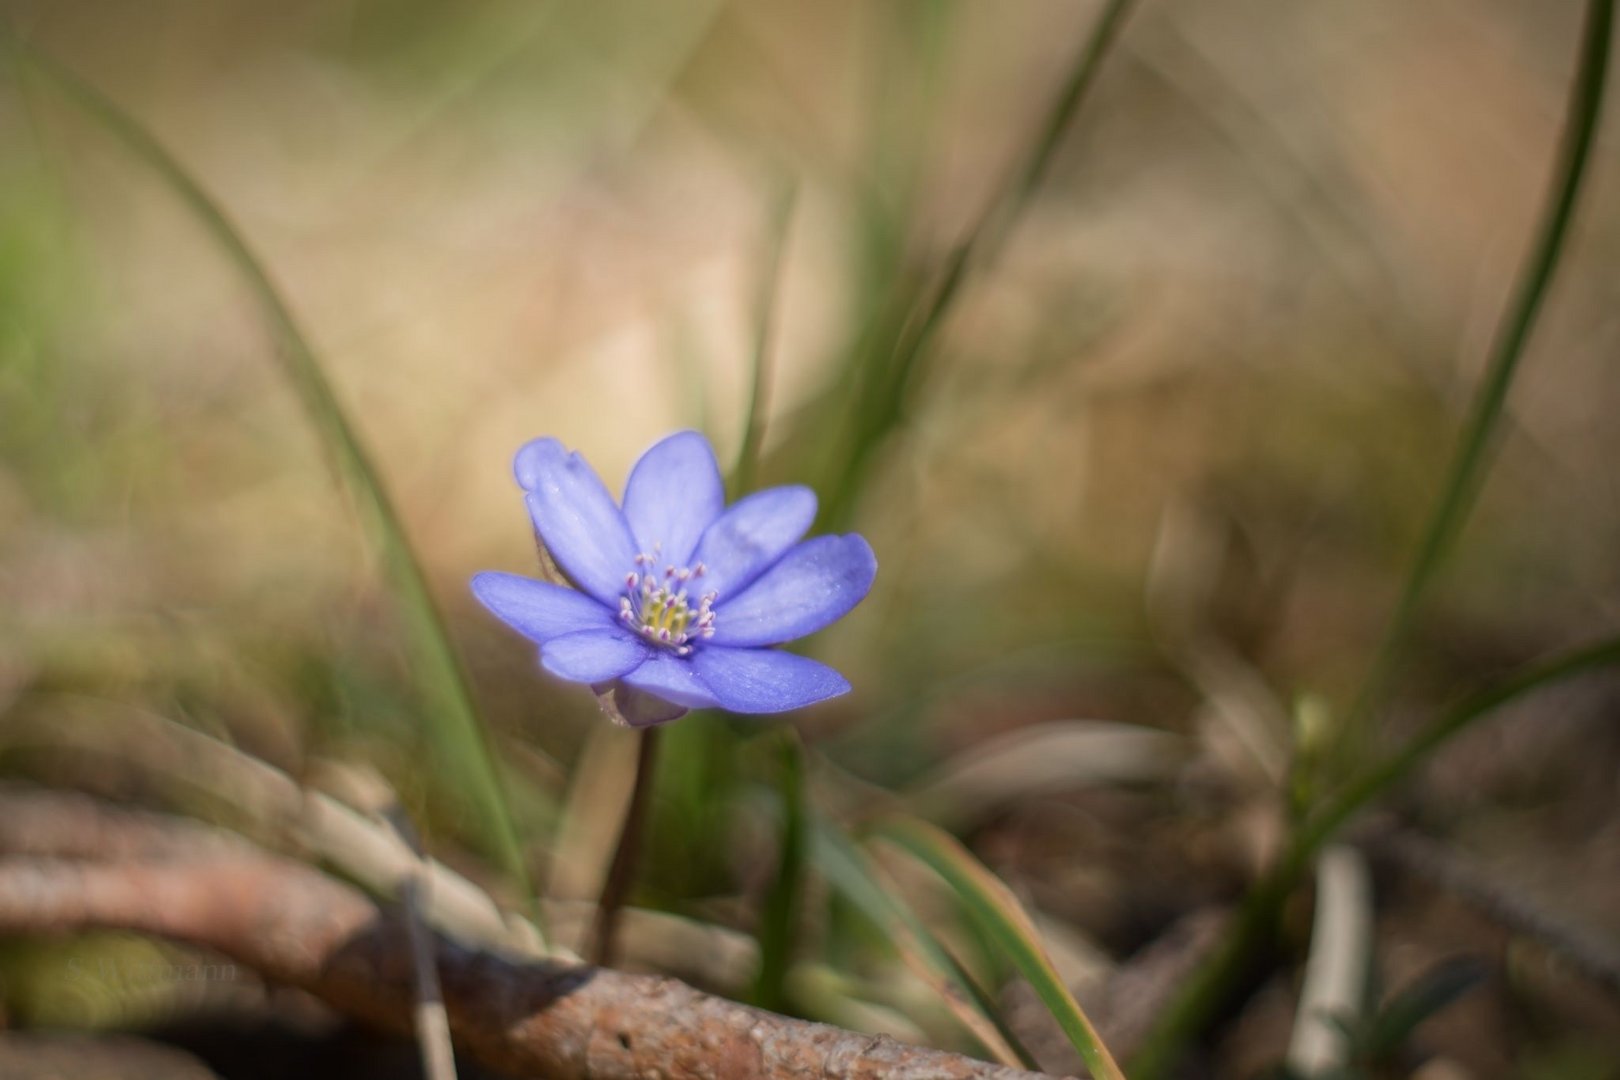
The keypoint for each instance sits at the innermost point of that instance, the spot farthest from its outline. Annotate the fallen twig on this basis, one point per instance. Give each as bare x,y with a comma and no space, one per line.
431,1024
531,1018
268,800
1584,950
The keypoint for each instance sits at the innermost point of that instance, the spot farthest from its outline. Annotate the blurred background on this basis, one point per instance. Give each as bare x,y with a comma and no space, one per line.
1143,499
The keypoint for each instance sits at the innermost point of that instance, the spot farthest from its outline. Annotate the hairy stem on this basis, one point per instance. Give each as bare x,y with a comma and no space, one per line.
621,874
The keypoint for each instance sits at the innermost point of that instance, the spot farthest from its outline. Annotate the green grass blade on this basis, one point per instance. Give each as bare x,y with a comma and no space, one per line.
1468,466
1203,992
746,473
778,921
444,683
998,913
1383,1037
846,870
886,388
1378,779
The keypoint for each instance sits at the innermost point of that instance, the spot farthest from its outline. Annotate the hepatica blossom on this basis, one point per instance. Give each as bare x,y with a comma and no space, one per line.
678,599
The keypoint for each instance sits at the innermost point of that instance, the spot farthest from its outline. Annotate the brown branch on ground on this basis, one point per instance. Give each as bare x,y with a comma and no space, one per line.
296,926
257,796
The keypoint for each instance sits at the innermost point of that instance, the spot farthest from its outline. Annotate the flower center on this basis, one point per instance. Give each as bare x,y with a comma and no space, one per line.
658,606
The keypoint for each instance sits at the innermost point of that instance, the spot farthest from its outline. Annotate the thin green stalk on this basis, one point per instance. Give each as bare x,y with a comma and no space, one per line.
770,283
621,874
1081,77
443,680
881,404
1468,466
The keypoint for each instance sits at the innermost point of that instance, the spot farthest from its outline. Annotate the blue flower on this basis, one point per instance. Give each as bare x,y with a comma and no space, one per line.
678,598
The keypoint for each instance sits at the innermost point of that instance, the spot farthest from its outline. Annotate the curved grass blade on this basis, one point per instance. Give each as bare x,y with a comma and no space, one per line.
884,390
1379,778
444,683
1202,994
1382,1038
844,868
1467,471
998,913
746,471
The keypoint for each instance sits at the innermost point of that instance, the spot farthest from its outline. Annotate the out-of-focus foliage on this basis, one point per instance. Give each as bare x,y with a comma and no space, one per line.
1162,464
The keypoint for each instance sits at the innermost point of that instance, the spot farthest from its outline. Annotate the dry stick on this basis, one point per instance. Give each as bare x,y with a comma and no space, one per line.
63,824
1577,945
621,874
432,1024
296,926
320,825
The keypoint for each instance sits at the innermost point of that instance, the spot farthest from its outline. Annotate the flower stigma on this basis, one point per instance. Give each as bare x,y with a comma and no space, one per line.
659,606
